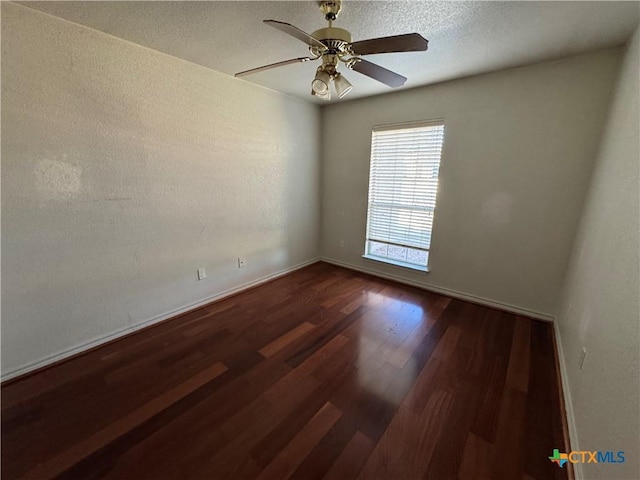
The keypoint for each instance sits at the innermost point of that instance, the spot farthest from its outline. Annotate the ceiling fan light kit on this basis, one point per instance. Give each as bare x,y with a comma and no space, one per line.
320,84
342,85
332,45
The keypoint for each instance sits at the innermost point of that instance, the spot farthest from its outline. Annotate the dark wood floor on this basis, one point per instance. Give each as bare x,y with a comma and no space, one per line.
324,373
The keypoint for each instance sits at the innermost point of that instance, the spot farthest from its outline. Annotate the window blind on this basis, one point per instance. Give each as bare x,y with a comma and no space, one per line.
403,185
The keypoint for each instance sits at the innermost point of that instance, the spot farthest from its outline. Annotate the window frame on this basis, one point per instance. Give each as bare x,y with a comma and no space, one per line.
439,122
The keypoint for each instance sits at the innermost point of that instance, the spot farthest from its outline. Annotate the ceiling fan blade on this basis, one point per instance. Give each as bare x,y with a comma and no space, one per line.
272,65
295,32
378,73
410,42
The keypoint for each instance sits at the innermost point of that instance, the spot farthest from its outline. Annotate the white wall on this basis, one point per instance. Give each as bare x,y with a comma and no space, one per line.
600,302
123,171
519,148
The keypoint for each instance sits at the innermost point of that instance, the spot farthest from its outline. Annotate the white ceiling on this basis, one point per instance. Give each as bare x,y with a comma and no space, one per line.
465,38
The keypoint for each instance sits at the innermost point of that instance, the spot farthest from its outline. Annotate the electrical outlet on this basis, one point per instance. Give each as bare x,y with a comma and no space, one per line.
341,243
583,355
242,262
202,274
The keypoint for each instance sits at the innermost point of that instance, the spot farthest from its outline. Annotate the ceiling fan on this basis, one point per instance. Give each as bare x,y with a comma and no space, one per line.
334,45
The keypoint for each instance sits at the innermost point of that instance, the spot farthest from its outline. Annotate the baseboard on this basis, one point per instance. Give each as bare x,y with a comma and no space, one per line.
92,344
568,405
445,291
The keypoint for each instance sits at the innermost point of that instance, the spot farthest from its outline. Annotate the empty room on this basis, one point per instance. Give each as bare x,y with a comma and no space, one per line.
312,240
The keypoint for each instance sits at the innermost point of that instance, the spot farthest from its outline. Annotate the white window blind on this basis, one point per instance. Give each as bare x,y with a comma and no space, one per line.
403,184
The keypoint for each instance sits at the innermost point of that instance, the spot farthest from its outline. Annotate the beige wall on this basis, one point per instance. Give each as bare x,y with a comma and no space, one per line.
600,303
123,171
519,147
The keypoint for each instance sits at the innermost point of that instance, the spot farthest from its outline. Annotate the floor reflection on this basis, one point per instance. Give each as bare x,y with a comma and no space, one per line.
387,335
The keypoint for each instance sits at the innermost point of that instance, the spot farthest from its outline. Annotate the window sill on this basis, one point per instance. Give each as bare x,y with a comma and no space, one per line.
396,263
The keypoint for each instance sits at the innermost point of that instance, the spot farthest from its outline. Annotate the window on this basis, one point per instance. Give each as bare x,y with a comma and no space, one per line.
403,183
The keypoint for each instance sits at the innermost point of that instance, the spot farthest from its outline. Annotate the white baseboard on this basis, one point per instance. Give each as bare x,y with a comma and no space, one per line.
43,362
444,291
568,405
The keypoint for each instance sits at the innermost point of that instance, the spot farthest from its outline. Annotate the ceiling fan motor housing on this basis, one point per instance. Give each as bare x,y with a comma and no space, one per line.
335,39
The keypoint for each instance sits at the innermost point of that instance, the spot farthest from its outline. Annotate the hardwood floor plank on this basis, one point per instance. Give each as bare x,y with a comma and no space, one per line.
352,458
543,422
447,454
322,373
292,455
403,353
269,445
476,459
218,442
289,337
432,374
227,459
518,372
331,361
417,434
485,422
496,340
324,334
193,431
425,434
508,463
101,438
305,371
471,349
447,344
423,356
218,452
75,402
385,455
325,453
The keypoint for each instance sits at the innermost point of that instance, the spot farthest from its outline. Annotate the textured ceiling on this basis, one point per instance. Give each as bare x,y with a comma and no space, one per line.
465,38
